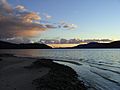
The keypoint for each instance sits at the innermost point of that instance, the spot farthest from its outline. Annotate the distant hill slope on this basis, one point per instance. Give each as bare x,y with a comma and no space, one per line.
115,44
7,45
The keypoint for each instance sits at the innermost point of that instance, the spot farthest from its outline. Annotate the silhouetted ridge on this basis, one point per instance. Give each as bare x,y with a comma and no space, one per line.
34,45
7,45
115,44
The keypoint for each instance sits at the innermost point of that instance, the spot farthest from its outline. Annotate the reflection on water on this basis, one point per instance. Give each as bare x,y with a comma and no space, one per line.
98,68
111,55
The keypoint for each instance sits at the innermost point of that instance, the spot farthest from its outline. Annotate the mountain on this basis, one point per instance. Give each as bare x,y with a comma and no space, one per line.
115,44
34,46
7,45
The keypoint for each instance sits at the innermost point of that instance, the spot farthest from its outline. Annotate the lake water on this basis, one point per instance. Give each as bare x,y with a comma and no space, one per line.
98,68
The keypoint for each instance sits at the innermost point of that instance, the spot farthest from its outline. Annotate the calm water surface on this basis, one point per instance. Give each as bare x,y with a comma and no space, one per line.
98,68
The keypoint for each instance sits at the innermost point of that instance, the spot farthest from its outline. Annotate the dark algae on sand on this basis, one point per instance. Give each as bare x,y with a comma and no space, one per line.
60,77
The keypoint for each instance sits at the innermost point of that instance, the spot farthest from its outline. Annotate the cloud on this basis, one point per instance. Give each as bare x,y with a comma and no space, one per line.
20,22
20,8
22,25
68,25
17,40
47,16
5,7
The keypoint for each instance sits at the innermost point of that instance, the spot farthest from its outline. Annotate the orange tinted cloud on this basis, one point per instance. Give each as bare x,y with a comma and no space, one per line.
20,22
30,34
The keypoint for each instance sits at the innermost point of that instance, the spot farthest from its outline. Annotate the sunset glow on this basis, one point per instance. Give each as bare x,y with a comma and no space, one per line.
62,45
59,44
86,19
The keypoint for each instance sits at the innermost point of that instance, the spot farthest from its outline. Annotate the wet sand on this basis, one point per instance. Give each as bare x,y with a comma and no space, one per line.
20,73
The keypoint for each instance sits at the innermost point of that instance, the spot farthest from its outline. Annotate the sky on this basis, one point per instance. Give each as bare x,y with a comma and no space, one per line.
55,19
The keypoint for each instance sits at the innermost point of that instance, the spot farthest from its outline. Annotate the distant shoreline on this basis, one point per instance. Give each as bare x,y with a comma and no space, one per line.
91,45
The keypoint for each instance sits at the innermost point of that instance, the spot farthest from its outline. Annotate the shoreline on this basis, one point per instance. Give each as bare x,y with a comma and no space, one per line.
22,73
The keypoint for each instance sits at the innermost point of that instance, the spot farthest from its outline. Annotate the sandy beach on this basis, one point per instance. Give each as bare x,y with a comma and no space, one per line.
21,73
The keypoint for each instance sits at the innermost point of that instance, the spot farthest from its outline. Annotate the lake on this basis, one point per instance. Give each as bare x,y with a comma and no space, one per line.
98,68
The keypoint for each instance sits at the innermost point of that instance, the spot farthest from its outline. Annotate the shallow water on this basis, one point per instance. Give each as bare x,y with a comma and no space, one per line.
98,68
